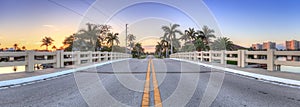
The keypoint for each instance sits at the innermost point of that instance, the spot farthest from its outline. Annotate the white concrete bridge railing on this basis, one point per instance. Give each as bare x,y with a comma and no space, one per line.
273,59
58,59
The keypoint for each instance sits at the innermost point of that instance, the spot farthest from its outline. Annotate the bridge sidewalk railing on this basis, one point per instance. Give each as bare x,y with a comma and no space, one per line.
58,59
272,59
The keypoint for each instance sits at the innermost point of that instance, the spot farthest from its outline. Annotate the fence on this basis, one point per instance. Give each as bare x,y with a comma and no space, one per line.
271,58
58,59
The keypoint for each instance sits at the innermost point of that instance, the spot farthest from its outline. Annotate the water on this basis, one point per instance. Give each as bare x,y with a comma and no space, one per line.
14,69
290,69
10,69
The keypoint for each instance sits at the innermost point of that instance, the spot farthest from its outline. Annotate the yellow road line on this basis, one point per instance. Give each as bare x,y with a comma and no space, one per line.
157,98
146,95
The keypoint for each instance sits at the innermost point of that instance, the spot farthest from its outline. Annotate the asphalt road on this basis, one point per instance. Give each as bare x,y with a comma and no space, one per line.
122,84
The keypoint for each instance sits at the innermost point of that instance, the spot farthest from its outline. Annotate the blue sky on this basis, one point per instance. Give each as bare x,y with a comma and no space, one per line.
251,21
244,21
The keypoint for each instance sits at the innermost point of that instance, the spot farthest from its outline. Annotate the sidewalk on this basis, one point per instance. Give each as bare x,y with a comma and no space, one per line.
24,77
259,73
18,75
280,74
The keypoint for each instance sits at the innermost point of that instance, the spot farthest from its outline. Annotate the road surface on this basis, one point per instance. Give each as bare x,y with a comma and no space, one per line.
125,84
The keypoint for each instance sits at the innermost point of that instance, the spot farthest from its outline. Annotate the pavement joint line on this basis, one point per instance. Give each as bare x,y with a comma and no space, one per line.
157,97
248,74
37,79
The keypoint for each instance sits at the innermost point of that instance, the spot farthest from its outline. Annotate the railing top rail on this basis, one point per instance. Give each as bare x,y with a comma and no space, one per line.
288,53
7,54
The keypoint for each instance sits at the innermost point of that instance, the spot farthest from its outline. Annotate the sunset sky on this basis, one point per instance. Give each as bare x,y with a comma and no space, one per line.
244,21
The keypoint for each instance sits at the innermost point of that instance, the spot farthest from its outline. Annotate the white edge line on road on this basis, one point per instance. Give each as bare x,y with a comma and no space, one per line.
260,76
41,77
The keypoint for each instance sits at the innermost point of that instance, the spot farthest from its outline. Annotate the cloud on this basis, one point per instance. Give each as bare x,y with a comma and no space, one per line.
49,26
52,27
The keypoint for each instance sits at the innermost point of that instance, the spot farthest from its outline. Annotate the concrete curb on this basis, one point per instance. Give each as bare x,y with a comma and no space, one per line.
254,75
41,77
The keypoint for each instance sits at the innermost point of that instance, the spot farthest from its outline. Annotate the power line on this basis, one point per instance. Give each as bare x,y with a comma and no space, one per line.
101,12
71,10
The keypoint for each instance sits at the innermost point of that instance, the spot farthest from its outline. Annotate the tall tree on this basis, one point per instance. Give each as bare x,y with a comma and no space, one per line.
54,47
68,42
222,43
159,48
206,34
111,38
200,45
170,33
47,41
138,47
104,30
16,47
131,38
23,48
189,35
166,47
90,35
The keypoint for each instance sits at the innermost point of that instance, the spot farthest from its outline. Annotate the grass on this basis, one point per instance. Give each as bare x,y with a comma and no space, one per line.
232,62
143,56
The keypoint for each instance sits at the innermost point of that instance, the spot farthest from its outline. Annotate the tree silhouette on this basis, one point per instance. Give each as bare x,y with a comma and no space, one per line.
47,41
170,33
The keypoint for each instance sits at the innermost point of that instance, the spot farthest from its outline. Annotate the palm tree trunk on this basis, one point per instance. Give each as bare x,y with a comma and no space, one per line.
130,47
171,45
167,52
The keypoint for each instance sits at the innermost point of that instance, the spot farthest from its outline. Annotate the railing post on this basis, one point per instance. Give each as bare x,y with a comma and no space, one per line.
62,59
78,59
58,60
190,56
270,60
223,61
210,56
90,53
202,56
242,58
30,61
99,56
195,56
106,56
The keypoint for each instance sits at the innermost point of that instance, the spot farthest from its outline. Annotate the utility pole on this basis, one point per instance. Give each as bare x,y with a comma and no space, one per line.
126,26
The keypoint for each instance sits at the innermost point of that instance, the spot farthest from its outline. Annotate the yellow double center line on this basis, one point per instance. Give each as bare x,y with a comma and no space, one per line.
146,95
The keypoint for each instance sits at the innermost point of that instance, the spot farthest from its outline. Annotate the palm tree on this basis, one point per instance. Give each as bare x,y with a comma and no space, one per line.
222,43
111,38
131,38
68,42
15,46
104,29
166,46
90,35
47,41
206,34
170,33
139,48
23,48
54,47
189,35
159,48
200,45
